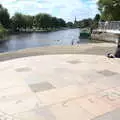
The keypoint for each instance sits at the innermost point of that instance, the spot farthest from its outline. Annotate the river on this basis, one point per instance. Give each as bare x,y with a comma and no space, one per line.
31,40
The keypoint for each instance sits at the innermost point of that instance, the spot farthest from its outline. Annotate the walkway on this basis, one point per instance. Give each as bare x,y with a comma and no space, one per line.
109,27
116,32
60,87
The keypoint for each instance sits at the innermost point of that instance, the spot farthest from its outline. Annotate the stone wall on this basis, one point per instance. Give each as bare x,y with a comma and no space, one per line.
102,36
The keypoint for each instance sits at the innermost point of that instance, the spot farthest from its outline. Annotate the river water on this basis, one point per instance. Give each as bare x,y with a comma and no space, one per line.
31,40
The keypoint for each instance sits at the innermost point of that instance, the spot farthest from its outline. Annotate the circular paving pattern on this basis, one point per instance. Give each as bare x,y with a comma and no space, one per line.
60,87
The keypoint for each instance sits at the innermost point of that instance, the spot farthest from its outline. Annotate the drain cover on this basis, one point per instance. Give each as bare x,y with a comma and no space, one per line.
74,62
108,73
41,87
23,69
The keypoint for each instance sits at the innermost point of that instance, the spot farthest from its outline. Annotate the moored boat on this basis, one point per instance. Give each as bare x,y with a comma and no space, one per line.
85,33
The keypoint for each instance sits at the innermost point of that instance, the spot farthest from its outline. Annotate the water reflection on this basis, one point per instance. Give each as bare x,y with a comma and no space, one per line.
30,40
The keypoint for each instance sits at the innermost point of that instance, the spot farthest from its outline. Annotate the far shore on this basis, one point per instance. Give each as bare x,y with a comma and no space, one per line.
40,31
33,31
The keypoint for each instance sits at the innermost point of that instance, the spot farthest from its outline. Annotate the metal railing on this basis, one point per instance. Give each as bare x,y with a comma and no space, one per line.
109,25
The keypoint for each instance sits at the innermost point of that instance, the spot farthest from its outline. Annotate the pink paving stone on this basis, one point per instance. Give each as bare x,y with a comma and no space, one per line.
70,111
111,96
94,105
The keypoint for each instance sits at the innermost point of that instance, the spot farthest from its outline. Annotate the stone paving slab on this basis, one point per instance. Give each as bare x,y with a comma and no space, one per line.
4,116
113,115
55,87
43,86
94,105
70,111
65,94
18,103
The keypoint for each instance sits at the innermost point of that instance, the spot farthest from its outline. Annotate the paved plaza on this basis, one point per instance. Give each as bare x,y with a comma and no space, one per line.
60,87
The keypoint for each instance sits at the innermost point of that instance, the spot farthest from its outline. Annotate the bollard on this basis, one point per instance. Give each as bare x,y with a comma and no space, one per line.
117,53
72,42
118,41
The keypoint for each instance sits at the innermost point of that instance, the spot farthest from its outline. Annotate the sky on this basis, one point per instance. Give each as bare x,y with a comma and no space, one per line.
66,9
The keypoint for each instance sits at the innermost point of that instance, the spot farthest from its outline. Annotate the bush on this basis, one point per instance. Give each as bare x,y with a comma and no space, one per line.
3,32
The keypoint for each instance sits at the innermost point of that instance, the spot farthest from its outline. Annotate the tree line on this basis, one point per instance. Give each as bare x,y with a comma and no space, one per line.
40,21
109,10
20,21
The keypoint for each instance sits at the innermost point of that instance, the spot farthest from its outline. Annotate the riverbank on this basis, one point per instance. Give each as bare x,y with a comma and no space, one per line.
90,48
39,31
104,36
3,33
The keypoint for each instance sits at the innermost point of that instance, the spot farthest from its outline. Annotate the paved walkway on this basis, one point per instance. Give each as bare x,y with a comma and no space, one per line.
117,32
60,87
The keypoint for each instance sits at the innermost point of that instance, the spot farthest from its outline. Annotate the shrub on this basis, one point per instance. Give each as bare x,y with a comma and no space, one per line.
3,32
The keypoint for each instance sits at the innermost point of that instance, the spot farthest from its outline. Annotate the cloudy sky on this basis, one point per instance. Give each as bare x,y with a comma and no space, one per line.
66,9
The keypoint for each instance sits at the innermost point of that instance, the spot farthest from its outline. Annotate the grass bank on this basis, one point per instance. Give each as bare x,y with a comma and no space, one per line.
3,33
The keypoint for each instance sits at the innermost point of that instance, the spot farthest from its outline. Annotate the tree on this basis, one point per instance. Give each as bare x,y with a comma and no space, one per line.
43,20
97,18
28,21
70,24
4,17
37,20
61,22
110,9
18,22
54,22
96,21
85,23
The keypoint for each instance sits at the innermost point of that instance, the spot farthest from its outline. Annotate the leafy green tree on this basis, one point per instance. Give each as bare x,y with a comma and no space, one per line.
110,9
28,21
18,22
47,21
43,20
4,17
97,18
37,20
70,24
95,21
85,23
61,22
54,22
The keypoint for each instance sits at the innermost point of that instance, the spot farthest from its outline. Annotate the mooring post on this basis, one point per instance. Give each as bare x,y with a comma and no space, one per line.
119,41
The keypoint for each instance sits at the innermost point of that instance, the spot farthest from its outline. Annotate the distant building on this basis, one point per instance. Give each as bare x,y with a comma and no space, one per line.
75,21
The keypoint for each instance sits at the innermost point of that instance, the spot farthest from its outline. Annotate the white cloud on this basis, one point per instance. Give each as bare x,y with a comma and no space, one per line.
66,9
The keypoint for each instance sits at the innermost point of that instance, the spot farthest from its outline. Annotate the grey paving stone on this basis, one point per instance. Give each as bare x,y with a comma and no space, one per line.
43,86
114,115
23,69
74,62
108,73
37,114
